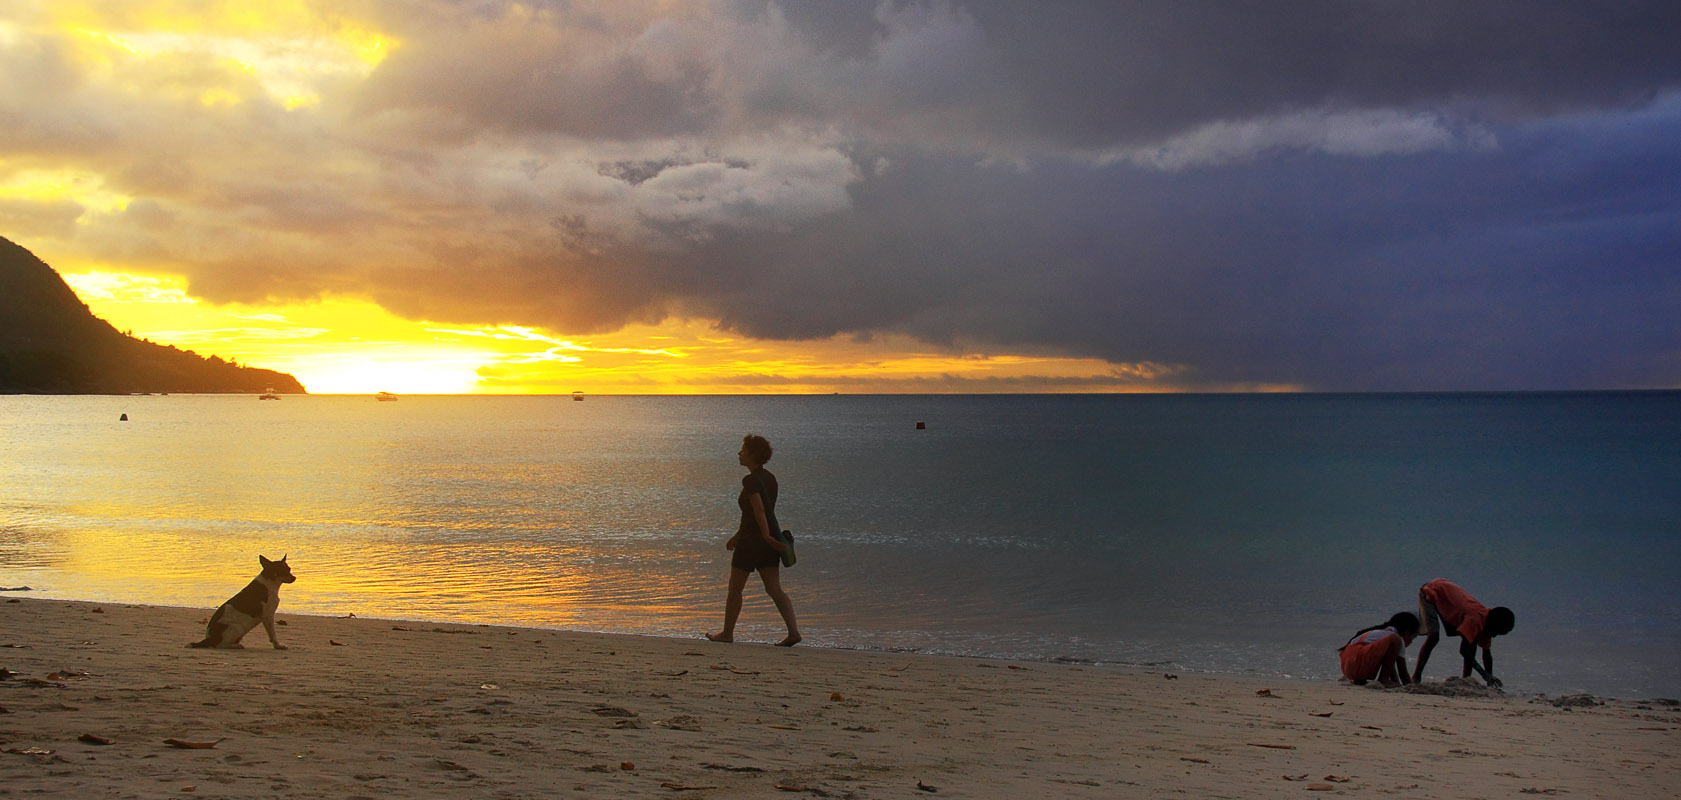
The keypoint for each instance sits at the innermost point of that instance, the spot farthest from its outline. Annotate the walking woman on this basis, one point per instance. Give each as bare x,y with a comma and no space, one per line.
754,544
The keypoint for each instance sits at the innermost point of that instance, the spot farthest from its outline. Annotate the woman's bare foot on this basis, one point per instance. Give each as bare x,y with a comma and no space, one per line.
719,637
793,639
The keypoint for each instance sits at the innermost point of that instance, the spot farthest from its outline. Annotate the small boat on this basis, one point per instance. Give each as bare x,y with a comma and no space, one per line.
268,394
578,396
385,397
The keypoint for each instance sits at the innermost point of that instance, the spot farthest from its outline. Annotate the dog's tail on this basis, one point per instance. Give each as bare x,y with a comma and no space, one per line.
212,632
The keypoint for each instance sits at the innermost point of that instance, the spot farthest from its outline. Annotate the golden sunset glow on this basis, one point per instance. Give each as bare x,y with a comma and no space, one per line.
347,346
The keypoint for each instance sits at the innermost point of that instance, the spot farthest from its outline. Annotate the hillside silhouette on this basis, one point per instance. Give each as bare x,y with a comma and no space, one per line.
50,343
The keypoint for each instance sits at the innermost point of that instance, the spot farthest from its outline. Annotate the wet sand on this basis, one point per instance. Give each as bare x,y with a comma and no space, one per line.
385,709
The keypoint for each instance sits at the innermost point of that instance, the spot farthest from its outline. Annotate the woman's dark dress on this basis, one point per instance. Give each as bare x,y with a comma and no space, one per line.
751,551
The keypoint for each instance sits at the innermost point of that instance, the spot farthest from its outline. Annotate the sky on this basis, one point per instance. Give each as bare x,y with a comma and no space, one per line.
943,196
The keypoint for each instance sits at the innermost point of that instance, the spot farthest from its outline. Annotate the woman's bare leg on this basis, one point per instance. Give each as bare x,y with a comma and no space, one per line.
784,605
732,606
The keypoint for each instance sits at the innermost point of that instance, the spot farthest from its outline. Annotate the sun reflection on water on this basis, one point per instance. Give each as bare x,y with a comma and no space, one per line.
466,519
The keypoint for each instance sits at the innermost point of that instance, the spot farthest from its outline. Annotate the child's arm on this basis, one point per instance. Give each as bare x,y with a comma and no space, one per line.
1424,656
1468,649
1488,667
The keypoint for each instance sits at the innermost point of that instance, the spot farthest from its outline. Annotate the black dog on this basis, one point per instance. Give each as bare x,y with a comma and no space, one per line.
255,603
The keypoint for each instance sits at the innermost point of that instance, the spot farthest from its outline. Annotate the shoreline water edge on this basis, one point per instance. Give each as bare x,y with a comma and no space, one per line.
108,700
1445,670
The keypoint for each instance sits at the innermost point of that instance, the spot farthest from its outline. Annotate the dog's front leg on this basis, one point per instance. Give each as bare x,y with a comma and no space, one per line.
268,625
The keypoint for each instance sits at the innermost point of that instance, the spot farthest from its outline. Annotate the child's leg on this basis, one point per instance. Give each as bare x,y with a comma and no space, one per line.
1433,630
1387,674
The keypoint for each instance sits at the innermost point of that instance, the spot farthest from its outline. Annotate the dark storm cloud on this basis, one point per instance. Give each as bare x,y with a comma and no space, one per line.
1107,72
1541,255
1097,75
1013,78
1553,263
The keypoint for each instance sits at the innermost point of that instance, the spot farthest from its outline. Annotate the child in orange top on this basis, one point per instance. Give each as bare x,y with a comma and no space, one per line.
1440,603
1380,652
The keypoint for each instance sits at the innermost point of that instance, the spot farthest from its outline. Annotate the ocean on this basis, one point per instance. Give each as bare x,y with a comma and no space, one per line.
1245,534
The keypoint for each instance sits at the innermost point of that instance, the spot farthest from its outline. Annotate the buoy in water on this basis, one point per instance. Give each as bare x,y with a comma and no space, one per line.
921,426
123,418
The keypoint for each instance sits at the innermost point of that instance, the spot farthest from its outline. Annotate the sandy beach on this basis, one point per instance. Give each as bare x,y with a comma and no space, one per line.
93,695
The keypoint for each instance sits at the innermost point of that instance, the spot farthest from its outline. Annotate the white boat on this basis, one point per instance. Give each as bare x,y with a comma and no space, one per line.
385,397
268,394
578,396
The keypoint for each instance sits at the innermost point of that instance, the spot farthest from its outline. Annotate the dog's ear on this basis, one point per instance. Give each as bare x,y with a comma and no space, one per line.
265,562
282,559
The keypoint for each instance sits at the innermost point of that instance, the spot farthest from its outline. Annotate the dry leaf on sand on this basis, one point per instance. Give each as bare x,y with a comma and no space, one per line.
186,745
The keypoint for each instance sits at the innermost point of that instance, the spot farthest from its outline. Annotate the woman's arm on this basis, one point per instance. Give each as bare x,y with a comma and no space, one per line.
764,524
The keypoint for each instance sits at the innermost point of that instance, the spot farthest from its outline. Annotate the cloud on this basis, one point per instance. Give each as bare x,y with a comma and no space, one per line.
29,218
1351,133
1095,76
1327,194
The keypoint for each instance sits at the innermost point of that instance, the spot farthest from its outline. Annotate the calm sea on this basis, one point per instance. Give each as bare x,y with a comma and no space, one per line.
1239,534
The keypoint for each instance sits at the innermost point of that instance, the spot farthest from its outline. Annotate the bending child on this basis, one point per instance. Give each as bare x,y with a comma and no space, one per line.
1441,603
1380,652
